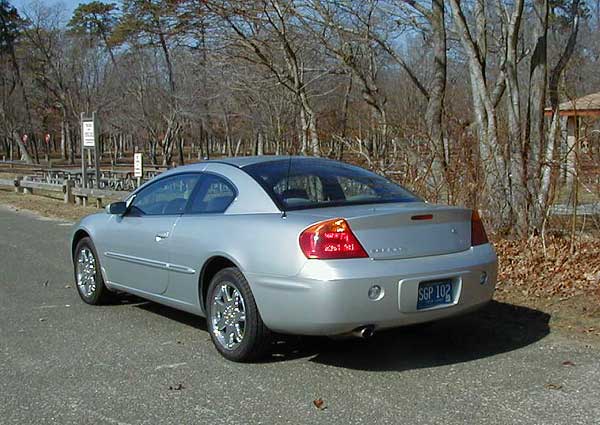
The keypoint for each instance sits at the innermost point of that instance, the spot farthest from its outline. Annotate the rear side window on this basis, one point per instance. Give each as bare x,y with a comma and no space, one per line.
302,183
298,190
213,195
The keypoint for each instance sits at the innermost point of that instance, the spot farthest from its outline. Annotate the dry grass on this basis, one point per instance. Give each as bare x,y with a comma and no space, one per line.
48,204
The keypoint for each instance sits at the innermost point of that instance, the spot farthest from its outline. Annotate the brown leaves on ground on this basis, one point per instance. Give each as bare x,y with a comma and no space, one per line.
319,404
525,266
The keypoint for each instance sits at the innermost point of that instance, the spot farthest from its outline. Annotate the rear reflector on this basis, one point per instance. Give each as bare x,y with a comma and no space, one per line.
422,217
331,239
478,235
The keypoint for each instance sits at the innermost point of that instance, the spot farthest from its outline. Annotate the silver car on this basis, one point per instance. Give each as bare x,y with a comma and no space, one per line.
292,245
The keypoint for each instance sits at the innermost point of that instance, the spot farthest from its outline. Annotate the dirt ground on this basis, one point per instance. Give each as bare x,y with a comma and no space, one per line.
576,313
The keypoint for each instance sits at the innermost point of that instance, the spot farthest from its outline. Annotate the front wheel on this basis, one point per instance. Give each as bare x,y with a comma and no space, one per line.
234,323
88,277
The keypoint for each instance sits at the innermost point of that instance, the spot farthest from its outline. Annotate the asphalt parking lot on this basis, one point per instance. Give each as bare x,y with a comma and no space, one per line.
63,362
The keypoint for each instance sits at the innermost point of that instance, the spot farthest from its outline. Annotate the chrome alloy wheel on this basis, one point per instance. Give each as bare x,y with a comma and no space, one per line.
86,272
228,316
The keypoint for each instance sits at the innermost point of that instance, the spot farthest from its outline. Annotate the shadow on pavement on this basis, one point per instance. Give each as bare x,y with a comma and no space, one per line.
168,312
496,328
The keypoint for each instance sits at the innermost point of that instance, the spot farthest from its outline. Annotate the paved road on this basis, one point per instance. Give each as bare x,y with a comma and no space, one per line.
139,363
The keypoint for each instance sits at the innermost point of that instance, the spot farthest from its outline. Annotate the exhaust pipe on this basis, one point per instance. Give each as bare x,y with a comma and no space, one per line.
363,332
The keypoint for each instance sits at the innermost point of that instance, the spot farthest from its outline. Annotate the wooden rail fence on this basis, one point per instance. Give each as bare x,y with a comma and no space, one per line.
71,194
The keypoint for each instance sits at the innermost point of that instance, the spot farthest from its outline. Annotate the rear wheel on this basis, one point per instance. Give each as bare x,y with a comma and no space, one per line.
234,322
88,277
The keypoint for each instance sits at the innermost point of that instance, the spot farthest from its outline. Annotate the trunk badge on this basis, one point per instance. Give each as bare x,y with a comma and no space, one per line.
386,250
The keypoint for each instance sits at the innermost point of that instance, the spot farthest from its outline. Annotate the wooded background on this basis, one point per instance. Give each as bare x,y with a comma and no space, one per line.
446,97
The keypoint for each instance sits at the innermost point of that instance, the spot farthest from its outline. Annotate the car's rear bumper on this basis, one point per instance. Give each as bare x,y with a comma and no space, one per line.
330,297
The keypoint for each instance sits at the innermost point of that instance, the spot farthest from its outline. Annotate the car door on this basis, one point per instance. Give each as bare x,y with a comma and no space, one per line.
139,252
194,235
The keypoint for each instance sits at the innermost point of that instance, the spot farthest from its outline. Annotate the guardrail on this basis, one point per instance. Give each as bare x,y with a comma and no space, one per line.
7,182
82,195
118,177
72,194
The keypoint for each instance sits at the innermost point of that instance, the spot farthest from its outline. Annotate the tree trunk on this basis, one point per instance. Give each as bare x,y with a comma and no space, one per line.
70,143
437,90
491,158
312,136
517,182
228,147
548,158
345,106
259,144
535,135
24,154
180,147
22,148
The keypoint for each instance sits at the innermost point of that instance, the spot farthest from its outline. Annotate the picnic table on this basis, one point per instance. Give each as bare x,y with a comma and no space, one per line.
110,179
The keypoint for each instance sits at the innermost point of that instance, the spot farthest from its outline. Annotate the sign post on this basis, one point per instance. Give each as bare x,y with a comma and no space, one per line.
89,140
138,167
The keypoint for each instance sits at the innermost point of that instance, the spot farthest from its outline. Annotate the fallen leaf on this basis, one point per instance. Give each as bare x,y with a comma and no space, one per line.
45,283
568,363
551,386
67,286
42,319
319,404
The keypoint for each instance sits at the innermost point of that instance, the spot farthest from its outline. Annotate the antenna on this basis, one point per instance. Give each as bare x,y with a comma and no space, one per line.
287,180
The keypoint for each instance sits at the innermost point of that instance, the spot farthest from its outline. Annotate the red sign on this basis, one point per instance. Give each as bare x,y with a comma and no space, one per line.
25,138
47,138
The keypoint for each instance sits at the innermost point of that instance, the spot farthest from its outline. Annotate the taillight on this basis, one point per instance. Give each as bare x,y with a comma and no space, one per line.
331,239
478,236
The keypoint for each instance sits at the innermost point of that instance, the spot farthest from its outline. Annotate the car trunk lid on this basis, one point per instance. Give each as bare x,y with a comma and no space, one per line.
404,230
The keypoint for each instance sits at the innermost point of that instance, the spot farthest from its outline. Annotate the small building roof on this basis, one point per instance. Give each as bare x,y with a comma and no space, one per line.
588,105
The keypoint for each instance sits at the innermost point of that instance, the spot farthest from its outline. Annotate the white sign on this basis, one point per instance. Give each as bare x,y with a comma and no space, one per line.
138,166
87,131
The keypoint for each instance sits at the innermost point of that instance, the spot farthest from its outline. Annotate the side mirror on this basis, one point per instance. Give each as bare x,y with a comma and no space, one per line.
117,208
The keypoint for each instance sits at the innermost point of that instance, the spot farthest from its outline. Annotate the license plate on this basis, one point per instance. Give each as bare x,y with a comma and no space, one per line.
433,293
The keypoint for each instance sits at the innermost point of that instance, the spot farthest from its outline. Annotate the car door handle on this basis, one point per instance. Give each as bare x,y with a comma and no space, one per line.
160,236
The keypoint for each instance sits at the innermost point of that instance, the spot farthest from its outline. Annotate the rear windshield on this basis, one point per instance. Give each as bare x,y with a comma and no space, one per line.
312,183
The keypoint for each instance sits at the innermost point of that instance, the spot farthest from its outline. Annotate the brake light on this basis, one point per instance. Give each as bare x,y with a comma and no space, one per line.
478,235
331,239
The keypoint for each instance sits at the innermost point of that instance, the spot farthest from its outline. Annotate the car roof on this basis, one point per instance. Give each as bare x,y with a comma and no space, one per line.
243,161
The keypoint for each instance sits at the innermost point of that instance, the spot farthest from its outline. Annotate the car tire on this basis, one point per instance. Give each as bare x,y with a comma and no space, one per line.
229,299
88,277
